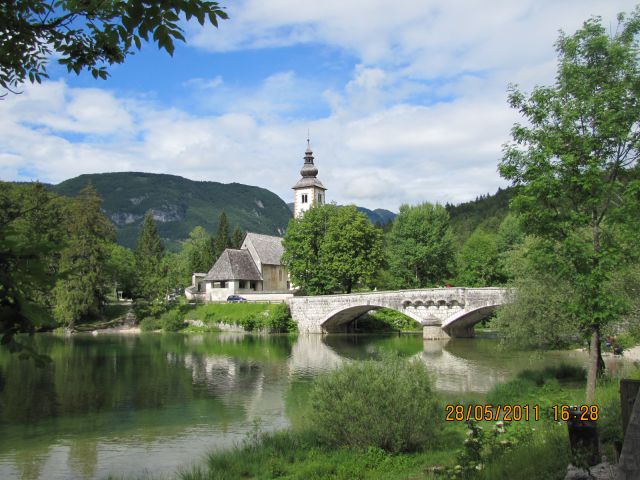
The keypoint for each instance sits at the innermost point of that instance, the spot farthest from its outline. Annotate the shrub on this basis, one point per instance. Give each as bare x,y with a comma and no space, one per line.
387,404
172,321
149,324
279,320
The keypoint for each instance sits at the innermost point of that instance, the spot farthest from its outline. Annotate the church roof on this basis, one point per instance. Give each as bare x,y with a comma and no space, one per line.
309,182
234,265
268,248
309,172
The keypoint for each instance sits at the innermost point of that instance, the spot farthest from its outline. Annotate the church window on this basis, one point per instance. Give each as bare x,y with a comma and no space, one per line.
320,198
305,198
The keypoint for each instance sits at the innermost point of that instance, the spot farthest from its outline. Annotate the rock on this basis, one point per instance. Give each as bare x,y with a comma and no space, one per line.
601,471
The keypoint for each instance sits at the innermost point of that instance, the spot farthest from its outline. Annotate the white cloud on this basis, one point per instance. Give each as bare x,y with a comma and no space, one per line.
422,117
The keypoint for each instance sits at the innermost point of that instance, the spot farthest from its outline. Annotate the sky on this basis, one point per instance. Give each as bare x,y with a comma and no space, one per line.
405,102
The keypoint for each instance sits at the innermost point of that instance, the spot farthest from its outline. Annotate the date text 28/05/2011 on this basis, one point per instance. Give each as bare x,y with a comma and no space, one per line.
516,412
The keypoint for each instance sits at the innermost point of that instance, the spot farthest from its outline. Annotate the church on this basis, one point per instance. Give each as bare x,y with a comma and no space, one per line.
255,270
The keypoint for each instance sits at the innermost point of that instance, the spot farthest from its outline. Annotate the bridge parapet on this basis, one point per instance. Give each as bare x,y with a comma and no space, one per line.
434,307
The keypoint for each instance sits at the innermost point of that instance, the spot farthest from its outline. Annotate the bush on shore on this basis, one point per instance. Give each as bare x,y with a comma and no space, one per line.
387,404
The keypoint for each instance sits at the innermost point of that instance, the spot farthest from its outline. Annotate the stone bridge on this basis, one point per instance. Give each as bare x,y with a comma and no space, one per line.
443,312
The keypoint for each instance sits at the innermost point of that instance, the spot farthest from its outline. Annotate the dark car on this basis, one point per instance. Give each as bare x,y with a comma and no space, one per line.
236,299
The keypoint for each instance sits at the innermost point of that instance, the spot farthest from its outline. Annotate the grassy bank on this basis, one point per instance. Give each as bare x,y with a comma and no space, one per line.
537,449
272,318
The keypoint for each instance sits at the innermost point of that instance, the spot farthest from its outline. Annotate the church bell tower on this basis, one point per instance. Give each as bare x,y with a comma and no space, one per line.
309,191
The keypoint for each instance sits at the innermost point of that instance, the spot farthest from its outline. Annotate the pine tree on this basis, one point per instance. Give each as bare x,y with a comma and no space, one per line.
222,238
85,280
149,251
238,237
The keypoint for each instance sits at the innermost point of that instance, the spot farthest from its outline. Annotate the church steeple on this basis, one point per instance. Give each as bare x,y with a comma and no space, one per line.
309,190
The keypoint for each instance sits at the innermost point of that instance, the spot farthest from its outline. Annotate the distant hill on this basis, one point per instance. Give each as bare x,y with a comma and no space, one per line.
379,215
179,204
486,210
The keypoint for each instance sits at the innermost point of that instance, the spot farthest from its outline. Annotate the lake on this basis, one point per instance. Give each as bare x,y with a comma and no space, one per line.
155,403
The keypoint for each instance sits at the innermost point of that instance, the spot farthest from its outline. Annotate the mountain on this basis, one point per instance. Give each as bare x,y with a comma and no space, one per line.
179,204
379,215
487,211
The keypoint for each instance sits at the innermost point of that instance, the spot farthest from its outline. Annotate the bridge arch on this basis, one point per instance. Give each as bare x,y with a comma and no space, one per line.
461,323
337,319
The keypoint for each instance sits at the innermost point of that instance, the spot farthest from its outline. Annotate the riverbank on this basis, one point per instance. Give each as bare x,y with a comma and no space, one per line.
533,448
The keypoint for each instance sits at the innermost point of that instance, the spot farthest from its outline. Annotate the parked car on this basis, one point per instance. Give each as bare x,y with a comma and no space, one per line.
236,299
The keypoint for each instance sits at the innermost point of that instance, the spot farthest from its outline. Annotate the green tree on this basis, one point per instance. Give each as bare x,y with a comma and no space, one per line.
121,265
332,248
575,162
222,240
149,252
237,237
479,263
82,289
88,35
198,251
31,237
420,246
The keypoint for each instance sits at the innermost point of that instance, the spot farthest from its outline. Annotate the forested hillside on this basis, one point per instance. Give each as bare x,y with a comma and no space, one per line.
179,204
486,211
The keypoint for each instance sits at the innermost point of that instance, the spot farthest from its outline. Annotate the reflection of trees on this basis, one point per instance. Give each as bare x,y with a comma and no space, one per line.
362,347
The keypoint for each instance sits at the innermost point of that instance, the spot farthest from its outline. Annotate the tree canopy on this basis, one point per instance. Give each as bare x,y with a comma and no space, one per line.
331,248
575,162
89,34
420,246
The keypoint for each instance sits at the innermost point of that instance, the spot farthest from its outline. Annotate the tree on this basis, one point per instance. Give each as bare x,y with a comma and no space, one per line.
222,240
237,237
420,247
31,237
575,163
121,265
198,251
149,251
332,248
81,290
479,262
90,34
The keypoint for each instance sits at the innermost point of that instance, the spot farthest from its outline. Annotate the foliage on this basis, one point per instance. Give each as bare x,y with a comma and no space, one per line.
129,195
300,456
149,251
150,324
198,251
386,319
420,246
479,261
387,404
575,165
279,319
485,212
275,318
481,447
331,248
237,237
222,240
31,237
172,321
121,266
88,35
82,289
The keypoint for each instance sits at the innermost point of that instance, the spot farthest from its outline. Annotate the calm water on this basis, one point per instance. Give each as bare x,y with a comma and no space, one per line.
156,403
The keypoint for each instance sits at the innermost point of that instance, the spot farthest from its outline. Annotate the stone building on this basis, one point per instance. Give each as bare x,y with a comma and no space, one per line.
309,191
254,271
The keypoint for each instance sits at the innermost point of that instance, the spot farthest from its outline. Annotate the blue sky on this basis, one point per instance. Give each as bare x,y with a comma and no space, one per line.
405,102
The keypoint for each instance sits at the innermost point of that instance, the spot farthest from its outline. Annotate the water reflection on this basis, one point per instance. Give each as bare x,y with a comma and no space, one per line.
131,405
